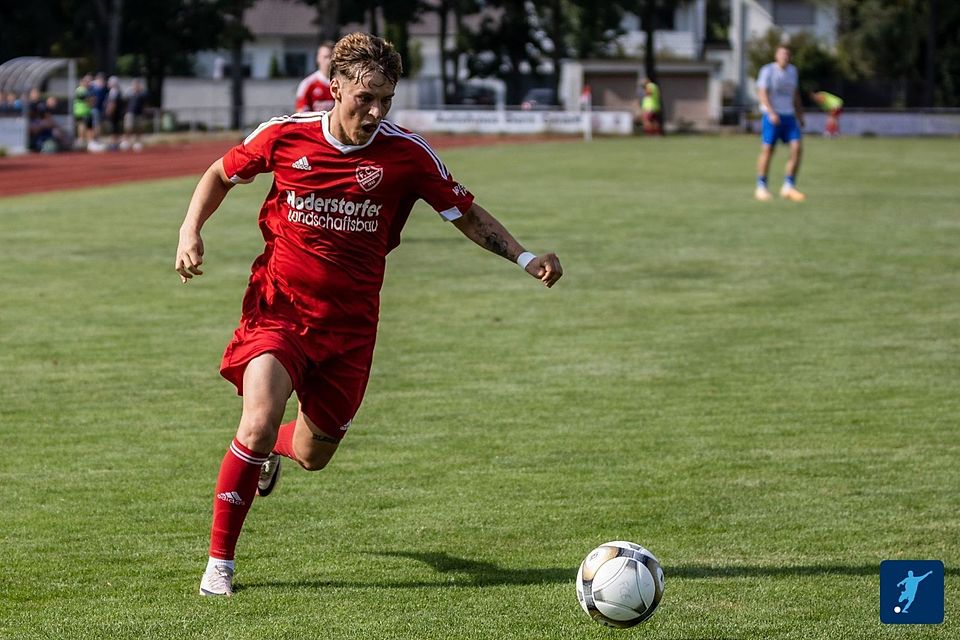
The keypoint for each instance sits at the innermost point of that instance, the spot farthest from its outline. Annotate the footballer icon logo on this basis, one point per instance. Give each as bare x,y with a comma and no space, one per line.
911,591
369,175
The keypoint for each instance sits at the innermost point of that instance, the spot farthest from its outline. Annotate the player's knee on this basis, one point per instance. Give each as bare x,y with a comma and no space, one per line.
257,430
314,462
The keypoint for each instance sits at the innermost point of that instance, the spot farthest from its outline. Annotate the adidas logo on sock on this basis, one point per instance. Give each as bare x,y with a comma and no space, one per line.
302,163
232,497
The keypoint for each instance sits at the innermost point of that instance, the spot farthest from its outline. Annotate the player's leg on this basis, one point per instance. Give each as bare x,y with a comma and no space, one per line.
330,396
789,189
762,192
266,387
792,135
313,446
767,142
834,123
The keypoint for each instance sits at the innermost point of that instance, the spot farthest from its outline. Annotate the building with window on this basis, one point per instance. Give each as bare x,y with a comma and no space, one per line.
702,62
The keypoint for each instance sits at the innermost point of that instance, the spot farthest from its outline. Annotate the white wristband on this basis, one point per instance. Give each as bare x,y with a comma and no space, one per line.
524,259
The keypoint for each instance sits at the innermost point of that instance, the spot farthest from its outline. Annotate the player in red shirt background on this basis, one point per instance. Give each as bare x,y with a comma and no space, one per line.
344,183
313,92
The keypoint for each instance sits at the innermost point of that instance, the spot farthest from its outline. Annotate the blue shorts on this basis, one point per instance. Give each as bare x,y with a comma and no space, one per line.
788,130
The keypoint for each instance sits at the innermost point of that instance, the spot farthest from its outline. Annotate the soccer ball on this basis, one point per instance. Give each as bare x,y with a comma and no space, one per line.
619,584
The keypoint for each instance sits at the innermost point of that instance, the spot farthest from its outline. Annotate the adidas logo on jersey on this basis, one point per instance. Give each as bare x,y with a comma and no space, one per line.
232,497
302,163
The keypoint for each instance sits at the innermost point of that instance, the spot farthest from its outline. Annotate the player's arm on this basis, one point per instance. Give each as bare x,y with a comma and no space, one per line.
487,232
210,192
798,107
764,97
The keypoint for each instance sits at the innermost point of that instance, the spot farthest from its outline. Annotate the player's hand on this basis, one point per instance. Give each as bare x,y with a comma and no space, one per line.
546,268
773,117
189,255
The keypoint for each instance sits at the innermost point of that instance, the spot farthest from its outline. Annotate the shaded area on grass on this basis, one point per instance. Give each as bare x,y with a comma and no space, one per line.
463,572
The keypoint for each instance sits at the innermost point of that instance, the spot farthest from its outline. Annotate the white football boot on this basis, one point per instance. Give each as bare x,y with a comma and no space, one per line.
790,193
217,581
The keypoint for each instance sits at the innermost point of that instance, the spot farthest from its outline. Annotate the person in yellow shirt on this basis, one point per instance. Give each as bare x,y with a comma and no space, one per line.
650,110
833,105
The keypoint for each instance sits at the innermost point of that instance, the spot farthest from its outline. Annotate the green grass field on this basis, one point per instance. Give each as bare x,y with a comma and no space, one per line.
765,395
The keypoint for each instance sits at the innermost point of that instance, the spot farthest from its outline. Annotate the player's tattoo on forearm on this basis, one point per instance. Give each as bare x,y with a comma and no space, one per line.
319,437
491,239
496,244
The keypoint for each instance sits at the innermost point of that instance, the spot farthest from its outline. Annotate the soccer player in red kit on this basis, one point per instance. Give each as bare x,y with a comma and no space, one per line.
313,92
344,183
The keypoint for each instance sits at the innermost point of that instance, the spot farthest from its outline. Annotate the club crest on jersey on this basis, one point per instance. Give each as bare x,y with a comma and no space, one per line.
369,175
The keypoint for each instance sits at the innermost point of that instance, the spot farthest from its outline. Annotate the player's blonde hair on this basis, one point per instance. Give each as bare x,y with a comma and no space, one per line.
359,54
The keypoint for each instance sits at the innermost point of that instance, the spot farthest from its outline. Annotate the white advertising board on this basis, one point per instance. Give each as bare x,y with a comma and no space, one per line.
515,122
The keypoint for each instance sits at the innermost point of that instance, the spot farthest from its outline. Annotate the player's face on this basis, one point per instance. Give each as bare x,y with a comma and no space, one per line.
783,57
323,60
360,106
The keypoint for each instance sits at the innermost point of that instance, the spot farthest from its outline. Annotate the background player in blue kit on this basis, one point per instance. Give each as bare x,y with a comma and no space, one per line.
778,91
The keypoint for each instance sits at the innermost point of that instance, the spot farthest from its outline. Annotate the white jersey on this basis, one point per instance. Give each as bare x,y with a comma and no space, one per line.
780,84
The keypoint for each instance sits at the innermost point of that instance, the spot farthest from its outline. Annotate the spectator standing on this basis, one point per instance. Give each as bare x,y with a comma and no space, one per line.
133,118
98,92
113,110
82,112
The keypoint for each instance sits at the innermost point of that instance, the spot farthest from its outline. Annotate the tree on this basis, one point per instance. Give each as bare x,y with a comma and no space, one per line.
59,29
593,26
327,20
389,19
110,16
397,16
444,9
161,35
651,12
910,42
234,34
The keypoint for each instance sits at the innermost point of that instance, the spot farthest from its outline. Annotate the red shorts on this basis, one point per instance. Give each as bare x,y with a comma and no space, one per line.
329,369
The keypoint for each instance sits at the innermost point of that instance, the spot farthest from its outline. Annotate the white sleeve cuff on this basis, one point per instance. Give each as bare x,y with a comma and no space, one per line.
450,214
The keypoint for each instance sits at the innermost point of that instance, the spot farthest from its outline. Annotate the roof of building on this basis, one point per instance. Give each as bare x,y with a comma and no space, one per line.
292,18
281,17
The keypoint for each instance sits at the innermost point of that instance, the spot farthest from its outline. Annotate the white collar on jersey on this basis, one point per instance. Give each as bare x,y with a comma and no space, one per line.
336,144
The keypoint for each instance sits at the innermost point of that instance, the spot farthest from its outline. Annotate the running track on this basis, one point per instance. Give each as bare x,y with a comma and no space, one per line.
35,173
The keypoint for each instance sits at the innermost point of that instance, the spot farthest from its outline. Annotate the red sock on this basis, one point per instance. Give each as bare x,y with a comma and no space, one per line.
236,488
284,446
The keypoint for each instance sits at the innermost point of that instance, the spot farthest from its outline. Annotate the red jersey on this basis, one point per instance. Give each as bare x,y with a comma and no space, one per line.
333,213
313,93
